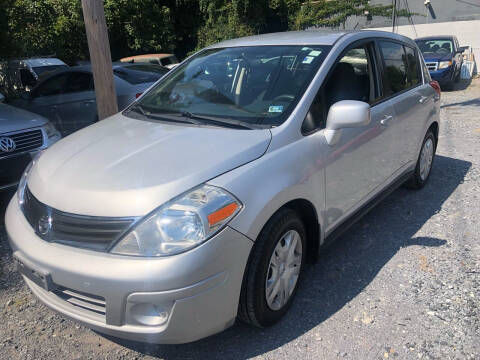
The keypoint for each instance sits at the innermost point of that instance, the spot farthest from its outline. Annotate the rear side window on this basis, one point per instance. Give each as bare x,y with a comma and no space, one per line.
79,82
413,78
395,72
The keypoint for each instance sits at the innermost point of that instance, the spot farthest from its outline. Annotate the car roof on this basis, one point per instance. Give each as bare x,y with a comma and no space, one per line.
439,37
306,37
43,62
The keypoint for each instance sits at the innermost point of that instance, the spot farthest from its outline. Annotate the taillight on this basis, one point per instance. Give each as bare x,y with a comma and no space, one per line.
436,86
138,95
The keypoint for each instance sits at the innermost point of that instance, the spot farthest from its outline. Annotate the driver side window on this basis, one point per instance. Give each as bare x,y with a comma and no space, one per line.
352,78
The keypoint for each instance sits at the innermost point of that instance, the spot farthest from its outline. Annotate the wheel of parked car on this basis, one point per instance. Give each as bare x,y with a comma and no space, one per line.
424,162
274,270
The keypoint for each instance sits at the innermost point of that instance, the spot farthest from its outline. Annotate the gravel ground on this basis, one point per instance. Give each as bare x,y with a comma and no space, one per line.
403,283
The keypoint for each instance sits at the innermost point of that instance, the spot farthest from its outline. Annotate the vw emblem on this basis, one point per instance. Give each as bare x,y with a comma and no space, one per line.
44,225
7,144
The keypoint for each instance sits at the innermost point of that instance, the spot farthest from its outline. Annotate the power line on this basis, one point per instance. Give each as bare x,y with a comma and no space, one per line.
394,10
410,17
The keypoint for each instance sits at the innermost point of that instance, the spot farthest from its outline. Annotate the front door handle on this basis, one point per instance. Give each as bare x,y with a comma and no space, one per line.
386,119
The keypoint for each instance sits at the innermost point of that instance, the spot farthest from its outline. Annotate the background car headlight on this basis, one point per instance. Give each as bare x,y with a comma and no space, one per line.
181,224
50,130
444,64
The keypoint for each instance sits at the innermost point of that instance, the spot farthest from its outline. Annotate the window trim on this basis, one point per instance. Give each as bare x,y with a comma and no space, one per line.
376,74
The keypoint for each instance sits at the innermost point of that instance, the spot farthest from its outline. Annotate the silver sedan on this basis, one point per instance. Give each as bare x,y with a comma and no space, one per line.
67,97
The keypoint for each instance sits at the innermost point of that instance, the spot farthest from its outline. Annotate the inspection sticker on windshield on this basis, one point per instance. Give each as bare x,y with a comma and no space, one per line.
314,53
275,109
308,59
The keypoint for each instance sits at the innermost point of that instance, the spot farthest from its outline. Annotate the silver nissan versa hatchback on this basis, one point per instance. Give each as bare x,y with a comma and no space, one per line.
203,200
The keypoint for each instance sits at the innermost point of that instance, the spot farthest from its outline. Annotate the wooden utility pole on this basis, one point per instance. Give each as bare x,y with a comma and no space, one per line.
99,48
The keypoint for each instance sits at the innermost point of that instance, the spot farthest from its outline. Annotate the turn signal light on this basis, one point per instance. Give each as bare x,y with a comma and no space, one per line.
221,214
436,86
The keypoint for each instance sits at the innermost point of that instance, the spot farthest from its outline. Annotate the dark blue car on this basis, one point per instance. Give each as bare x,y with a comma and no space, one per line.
443,57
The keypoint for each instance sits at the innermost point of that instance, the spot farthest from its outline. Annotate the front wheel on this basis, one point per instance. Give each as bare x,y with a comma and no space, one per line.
424,162
274,270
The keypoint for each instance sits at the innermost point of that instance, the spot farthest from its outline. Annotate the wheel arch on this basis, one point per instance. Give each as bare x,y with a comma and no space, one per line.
435,129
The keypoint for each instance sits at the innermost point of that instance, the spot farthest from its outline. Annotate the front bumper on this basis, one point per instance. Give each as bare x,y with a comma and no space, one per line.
200,289
443,76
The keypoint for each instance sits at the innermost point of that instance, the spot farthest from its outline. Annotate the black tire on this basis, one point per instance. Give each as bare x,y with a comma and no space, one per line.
416,181
253,307
457,78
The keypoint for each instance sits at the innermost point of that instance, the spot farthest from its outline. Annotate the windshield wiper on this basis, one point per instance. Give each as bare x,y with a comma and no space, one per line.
159,117
217,121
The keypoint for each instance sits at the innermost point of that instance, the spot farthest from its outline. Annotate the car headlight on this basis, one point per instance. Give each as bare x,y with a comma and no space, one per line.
23,180
444,64
181,224
50,130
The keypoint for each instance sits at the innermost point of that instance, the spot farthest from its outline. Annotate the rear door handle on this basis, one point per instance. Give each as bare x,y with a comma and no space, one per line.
386,119
423,99
88,102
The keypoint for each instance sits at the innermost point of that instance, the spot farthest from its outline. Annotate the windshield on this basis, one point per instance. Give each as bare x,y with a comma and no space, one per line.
256,85
440,46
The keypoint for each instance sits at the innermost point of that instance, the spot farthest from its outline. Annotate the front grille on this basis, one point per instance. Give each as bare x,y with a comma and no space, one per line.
82,300
24,141
90,232
432,66
11,168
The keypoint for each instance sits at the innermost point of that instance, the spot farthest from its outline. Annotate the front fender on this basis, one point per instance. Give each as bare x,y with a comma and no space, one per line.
295,171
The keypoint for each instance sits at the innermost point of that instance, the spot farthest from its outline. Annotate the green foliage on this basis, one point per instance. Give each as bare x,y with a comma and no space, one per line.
139,26
55,27
325,13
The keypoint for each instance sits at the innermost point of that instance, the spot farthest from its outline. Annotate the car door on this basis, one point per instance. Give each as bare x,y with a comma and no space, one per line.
45,97
410,98
360,162
78,107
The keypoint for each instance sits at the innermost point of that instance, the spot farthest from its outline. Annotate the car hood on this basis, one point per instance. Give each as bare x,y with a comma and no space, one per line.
126,167
15,119
437,57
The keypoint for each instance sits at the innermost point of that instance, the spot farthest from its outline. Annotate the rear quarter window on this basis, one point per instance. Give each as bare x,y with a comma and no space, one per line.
413,73
395,71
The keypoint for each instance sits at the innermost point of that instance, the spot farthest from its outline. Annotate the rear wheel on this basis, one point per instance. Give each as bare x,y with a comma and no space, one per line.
424,162
274,270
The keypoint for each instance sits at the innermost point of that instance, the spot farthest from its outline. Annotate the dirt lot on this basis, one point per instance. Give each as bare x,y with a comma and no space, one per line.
403,283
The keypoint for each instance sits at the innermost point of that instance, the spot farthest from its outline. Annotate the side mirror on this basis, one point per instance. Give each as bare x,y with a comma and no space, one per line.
461,49
2,98
345,114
